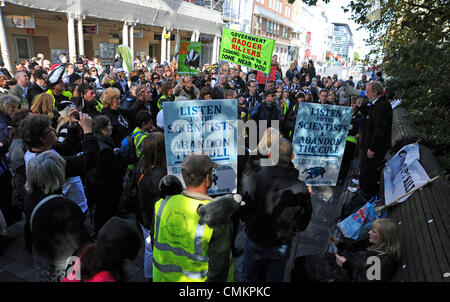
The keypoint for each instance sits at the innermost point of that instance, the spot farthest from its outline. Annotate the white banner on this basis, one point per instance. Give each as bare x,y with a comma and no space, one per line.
403,173
395,103
405,155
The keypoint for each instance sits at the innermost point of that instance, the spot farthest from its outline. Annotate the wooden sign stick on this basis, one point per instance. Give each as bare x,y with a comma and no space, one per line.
404,195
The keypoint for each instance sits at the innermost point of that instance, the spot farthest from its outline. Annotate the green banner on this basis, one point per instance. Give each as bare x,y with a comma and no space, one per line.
125,53
189,57
247,50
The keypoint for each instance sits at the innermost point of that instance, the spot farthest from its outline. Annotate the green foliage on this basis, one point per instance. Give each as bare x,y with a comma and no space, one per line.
412,38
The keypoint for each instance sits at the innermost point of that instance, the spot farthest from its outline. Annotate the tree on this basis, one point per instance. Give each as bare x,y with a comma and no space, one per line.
412,41
412,38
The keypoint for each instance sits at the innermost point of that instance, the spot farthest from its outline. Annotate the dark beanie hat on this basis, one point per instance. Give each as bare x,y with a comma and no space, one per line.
73,78
119,239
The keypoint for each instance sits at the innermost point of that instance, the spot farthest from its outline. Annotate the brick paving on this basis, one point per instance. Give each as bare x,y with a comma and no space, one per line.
16,265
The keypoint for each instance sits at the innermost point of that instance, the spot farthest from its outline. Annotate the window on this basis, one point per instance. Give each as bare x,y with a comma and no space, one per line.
287,12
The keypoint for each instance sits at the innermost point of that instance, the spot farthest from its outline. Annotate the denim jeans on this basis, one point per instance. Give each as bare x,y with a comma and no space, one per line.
262,263
148,255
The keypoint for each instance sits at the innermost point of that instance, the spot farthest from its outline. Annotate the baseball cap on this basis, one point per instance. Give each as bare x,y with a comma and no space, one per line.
197,166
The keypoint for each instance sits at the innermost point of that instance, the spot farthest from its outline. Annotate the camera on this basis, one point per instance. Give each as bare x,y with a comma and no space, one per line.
90,79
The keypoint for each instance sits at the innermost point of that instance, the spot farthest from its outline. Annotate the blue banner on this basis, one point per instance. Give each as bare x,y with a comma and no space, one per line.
319,142
208,127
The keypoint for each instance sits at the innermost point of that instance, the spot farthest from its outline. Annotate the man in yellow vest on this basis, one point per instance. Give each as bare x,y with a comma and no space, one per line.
183,249
61,97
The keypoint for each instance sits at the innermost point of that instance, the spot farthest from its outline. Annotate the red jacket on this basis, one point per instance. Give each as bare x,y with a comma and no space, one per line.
103,276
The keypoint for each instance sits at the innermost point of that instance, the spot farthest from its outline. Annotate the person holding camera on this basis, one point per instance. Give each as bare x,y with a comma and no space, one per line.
92,105
39,136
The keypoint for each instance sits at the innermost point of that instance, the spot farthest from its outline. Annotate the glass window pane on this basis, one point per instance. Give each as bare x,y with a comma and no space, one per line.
22,48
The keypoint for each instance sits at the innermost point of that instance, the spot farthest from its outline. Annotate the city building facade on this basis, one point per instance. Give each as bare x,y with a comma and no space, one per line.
273,19
76,27
342,40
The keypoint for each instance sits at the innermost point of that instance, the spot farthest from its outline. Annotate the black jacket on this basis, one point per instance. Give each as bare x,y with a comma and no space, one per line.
357,254
58,226
33,91
378,127
290,119
93,109
251,101
119,123
266,111
239,84
217,93
107,175
277,205
148,194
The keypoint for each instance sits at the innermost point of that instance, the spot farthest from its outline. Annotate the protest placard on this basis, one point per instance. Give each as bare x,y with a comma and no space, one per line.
246,50
405,155
189,57
125,53
208,127
261,77
106,53
319,142
402,173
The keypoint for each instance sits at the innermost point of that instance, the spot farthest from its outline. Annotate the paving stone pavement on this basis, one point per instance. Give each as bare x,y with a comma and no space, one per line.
16,265
314,239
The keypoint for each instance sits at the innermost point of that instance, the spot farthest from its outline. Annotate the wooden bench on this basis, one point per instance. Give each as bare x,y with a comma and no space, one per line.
423,220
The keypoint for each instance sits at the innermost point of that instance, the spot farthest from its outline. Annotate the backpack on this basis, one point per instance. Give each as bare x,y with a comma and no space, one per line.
128,149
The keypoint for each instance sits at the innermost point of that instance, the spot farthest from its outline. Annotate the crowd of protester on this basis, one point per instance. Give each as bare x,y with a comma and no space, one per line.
85,138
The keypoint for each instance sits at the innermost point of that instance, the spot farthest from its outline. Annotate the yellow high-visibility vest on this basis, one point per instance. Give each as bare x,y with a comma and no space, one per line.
180,242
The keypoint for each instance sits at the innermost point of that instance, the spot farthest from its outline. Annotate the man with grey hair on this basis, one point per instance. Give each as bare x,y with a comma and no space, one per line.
376,139
187,89
56,222
20,90
342,99
278,205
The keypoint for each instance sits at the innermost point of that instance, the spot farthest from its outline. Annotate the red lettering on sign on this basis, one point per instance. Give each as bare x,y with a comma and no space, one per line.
184,48
261,79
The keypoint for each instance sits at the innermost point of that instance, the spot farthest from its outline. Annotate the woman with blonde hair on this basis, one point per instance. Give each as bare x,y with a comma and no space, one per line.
355,259
43,104
111,108
249,164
